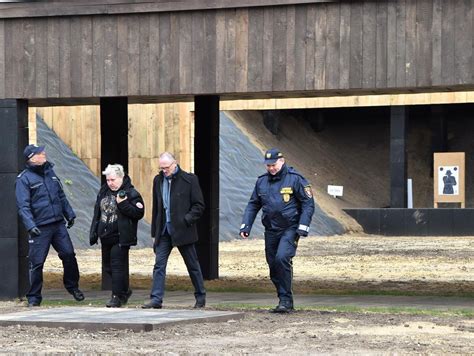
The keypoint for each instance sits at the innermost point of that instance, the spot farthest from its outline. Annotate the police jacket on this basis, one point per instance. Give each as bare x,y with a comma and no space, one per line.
40,197
129,211
286,201
186,207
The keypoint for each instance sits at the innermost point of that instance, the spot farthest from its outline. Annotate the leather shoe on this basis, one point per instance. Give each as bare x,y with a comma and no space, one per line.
152,305
200,304
33,304
282,309
124,298
114,302
78,295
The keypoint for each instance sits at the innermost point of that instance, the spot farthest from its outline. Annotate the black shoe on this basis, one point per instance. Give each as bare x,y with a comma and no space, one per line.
200,304
33,304
152,305
124,299
114,302
78,295
282,309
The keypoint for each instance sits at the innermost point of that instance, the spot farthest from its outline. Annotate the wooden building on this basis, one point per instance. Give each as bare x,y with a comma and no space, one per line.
116,52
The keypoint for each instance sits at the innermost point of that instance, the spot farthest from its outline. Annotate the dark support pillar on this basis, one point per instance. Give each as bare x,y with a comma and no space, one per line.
439,131
398,157
13,239
206,166
114,145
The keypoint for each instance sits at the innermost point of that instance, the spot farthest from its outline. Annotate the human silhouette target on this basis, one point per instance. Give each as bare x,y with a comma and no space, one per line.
448,179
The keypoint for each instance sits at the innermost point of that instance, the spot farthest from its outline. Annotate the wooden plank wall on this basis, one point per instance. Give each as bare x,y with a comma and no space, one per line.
153,129
337,47
77,126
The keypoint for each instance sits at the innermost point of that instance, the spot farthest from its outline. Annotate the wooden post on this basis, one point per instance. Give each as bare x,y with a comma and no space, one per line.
13,240
398,157
114,147
206,163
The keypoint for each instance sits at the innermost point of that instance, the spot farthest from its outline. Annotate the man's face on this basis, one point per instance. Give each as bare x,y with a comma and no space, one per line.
39,159
275,168
167,166
114,182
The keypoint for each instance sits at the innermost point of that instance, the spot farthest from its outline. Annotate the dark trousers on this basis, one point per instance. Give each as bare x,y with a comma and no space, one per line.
280,248
115,261
188,252
55,235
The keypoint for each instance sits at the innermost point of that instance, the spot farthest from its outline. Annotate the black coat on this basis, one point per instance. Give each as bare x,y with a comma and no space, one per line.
187,206
128,214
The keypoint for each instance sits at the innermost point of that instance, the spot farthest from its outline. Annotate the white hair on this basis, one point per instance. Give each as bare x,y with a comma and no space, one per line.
167,156
116,169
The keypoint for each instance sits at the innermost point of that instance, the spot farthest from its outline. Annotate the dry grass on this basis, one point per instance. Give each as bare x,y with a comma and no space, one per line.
336,264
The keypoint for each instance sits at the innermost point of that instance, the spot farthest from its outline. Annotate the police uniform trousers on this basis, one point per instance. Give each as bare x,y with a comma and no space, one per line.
280,248
55,235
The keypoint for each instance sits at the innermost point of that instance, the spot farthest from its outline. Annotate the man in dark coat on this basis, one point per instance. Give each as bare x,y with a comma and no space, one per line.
44,208
177,205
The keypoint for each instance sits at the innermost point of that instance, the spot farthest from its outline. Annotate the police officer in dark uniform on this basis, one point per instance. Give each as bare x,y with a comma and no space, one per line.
287,204
43,207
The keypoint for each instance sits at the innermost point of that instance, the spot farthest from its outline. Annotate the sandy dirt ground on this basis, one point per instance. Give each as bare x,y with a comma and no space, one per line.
419,265
427,265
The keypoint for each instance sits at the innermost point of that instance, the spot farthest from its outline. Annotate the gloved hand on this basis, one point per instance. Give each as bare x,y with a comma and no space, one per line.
301,232
34,231
70,223
93,239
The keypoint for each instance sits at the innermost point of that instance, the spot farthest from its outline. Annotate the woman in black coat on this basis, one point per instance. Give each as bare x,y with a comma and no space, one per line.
118,208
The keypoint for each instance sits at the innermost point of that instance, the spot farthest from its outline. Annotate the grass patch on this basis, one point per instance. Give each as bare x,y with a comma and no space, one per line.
310,287
355,309
450,312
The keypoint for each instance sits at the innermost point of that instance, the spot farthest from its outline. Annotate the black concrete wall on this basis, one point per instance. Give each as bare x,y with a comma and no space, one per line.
13,237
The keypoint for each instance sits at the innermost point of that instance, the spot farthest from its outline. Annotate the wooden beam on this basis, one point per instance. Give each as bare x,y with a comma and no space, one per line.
107,7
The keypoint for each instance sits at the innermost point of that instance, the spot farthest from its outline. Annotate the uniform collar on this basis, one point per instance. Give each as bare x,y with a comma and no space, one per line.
281,173
39,169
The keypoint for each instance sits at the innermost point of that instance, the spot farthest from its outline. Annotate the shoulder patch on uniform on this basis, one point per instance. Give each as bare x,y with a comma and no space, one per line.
139,205
308,191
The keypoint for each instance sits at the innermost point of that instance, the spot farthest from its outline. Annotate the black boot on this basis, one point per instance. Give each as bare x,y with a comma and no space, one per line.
124,298
114,302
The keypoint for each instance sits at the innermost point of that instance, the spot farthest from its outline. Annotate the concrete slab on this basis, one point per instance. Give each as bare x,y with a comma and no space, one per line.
94,319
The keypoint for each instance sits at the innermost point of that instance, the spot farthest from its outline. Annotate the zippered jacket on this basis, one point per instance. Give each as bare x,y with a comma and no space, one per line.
40,197
129,211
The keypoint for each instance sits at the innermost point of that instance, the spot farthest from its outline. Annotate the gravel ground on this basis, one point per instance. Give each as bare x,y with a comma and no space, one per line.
336,263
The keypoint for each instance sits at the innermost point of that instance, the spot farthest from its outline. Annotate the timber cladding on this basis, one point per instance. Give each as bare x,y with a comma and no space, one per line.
153,129
345,47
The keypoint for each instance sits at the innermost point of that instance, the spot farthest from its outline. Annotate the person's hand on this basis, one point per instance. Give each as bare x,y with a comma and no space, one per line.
93,239
34,231
70,223
244,235
119,200
301,233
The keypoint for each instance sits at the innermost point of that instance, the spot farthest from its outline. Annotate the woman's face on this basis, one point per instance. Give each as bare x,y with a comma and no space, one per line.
114,181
